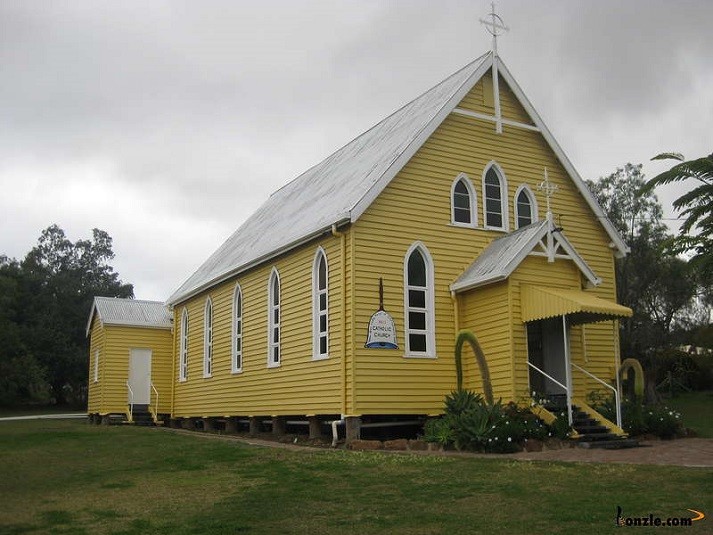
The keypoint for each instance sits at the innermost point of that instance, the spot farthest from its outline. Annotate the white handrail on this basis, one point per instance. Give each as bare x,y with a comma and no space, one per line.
155,412
616,394
569,403
531,365
131,402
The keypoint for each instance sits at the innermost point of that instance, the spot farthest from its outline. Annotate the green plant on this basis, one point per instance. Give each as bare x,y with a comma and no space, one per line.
661,421
460,401
438,431
468,336
635,366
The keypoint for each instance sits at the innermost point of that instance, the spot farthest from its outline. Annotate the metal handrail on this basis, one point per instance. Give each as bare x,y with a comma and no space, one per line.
616,394
131,402
154,413
569,405
531,365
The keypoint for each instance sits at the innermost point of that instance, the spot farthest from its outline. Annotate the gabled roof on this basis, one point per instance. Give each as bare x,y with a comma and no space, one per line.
130,312
504,254
340,188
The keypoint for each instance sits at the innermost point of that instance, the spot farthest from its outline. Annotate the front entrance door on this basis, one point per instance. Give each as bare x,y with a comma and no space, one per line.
140,376
545,343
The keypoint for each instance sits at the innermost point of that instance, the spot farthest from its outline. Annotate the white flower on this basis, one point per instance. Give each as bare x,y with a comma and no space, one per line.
509,439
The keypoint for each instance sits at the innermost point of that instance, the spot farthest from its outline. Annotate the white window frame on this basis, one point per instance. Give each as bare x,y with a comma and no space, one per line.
96,365
271,324
533,204
429,302
208,338
237,334
503,197
183,350
472,198
317,312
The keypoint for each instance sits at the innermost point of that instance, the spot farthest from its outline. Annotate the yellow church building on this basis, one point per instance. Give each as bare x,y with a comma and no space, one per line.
460,209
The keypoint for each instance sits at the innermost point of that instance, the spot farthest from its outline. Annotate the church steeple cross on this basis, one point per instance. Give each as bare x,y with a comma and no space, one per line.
549,190
495,26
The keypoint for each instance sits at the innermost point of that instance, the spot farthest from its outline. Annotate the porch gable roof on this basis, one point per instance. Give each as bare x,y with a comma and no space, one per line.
504,254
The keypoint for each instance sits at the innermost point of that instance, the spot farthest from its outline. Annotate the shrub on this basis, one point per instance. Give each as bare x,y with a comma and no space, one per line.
460,401
470,423
640,419
438,431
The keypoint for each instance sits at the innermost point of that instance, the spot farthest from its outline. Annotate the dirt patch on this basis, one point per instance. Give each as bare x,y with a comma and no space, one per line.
691,452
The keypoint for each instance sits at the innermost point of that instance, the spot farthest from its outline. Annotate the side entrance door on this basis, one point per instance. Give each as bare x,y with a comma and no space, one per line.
140,375
545,340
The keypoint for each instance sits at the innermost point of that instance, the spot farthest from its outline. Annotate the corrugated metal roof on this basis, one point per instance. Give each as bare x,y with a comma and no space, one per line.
341,187
327,193
130,312
499,259
539,302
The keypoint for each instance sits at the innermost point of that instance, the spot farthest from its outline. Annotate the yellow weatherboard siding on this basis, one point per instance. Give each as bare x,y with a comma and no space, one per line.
300,385
94,390
110,395
415,206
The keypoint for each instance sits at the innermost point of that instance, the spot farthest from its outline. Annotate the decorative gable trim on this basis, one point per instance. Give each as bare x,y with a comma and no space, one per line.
546,240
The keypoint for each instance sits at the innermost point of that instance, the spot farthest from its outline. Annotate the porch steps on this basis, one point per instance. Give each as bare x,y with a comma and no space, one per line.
142,416
591,433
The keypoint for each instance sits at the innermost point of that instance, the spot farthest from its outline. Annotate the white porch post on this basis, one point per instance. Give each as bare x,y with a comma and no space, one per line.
617,367
567,368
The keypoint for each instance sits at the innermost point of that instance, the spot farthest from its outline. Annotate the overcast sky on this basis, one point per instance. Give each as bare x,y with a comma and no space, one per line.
166,123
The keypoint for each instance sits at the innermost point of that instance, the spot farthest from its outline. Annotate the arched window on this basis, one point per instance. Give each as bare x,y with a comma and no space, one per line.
208,338
495,198
237,365
183,353
320,306
525,207
419,302
463,202
273,323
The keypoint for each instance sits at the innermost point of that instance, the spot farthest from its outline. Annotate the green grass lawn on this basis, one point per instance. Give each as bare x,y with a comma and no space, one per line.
69,477
696,410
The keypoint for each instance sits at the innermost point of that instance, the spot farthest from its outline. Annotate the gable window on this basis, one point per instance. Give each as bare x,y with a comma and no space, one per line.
463,202
96,366
183,352
320,304
237,365
419,302
525,207
494,195
208,339
273,323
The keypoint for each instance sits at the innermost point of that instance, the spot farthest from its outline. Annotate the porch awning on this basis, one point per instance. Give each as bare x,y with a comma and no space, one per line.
540,302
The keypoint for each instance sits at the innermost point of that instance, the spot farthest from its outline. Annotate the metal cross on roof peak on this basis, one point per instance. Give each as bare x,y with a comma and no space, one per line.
495,26
549,190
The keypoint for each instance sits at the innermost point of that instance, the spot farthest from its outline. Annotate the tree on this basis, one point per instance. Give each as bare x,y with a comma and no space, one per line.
696,206
49,296
659,286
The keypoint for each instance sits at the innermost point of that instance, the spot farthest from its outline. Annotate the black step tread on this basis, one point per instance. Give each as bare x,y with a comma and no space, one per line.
616,444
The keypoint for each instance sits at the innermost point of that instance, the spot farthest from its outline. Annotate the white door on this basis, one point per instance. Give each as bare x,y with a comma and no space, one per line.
140,375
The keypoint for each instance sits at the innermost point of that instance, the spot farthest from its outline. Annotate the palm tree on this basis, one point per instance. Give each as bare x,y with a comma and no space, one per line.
696,206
